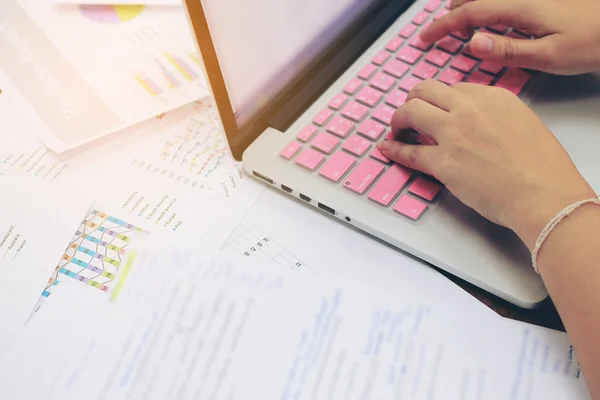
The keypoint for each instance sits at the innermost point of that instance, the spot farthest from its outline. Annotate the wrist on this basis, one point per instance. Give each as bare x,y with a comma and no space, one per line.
531,221
574,234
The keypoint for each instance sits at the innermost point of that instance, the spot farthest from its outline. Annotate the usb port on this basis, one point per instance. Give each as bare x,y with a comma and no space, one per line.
325,208
305,198
264,178
286,189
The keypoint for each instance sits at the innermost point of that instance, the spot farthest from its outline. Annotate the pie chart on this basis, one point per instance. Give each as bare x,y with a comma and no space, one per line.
111,14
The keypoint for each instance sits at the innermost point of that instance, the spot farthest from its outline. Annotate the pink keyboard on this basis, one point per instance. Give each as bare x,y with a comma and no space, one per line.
339,145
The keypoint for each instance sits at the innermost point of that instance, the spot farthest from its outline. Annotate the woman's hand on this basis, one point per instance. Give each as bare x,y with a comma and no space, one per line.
492,152
567,32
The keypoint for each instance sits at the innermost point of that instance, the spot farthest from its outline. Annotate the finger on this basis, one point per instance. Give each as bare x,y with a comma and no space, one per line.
420,116
418,157
457,3
476,14
453,6
436,93
523,53
470,89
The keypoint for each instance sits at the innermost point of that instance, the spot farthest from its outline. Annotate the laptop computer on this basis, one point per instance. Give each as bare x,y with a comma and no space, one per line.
305,89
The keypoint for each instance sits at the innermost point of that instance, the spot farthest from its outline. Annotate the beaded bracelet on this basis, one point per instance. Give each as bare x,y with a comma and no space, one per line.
552,224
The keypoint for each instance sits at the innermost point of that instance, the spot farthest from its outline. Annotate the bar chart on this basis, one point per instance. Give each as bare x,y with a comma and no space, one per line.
171,71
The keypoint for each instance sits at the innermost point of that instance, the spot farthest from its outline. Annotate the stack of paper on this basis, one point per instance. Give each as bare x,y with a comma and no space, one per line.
116,115
113,171
188,324
126,64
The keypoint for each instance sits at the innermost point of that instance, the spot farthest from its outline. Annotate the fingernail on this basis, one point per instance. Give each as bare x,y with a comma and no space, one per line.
481,43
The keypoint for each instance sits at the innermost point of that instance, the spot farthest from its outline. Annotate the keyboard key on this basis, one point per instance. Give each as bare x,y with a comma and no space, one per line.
433,5
371,129
514,80
381,57
440,13
410,207
310,159
425,70
397,98
461,35
420,18
322,117
437,57
338,101
464,64
340,126
357,145
352,86
325,142
383,82
384,114
394,44
498,28
467,51
417,43
409,55
451,76
390,184
409,82
396,68
369,96
426,25
364,175
425,188
481,78
367,71
450,44
337,166
491,67
408,30
354,111
306,133
376,154
290,150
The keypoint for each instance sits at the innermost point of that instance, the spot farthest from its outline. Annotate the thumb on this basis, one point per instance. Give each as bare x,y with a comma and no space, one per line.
522,53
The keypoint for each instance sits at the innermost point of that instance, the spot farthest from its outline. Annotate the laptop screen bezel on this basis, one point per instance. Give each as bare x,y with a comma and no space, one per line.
289,102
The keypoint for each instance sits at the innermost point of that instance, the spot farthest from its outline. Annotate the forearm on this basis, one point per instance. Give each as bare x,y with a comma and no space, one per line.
569,263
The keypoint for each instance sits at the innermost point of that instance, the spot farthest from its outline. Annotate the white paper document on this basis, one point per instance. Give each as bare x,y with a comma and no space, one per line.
122,2
36,224
171,176
124,65
183,155
188,324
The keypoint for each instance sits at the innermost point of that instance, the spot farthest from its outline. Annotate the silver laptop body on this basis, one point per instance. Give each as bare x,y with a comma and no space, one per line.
449,236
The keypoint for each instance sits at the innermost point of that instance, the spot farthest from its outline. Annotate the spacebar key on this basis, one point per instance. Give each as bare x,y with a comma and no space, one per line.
364,175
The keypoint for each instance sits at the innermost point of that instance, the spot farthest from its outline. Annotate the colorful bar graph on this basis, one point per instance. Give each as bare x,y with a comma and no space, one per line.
148,84
173,82
181,66
95,255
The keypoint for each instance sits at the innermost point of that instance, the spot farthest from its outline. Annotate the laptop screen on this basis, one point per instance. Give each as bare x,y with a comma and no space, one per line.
262,45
